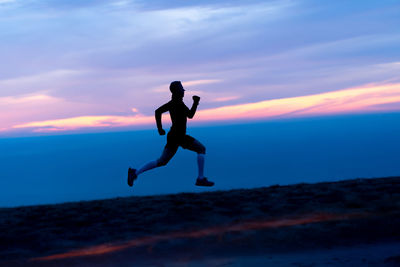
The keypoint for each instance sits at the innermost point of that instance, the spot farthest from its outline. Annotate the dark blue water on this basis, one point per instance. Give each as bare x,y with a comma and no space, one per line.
55,169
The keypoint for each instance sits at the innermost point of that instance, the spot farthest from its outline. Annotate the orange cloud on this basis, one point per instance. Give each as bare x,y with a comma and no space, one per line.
361,99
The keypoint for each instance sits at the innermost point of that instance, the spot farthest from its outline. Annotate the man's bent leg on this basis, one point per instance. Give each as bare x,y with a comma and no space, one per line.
200,164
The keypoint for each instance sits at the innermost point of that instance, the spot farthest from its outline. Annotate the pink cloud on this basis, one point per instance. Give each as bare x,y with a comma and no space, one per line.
75,123
353,100
225,99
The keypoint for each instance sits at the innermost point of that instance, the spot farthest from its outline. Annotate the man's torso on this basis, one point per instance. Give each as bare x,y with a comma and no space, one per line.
178,112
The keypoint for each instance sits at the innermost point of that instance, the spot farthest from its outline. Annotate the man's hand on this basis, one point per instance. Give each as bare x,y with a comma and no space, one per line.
196,99
161,131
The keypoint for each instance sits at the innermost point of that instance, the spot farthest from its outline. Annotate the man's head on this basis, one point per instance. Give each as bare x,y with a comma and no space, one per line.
176,89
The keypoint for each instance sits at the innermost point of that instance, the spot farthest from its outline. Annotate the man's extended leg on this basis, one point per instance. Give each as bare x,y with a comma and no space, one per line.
148,166
165,157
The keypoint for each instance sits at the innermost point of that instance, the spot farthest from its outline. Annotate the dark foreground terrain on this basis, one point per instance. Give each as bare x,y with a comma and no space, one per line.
346,223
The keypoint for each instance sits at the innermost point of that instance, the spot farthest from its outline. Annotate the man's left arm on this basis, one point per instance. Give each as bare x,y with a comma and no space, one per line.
192,111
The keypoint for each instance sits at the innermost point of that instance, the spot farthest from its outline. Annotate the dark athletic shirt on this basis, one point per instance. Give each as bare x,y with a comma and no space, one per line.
179,113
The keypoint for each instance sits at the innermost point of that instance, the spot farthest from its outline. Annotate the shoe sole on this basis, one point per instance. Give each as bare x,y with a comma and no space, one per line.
207,185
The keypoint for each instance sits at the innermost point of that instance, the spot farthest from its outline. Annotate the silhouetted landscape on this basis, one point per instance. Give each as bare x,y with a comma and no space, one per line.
348,223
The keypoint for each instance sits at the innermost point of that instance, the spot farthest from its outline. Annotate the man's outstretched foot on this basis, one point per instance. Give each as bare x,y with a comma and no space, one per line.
204,182
131,176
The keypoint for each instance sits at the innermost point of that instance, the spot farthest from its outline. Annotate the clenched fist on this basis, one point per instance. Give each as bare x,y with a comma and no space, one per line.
196,99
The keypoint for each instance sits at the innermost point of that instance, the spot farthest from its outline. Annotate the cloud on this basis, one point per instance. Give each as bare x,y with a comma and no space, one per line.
37,82
200,82
28,99
86,122
369,98
353,100
17,109
164,87
38,106
225,98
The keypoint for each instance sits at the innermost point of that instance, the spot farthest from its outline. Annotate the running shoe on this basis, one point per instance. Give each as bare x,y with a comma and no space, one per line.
131,176
204,182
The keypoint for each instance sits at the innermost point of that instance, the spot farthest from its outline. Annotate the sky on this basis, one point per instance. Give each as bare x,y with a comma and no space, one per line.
78,66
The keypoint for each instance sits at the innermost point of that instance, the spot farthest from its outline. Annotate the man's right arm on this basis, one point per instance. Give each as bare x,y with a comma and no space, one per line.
158,113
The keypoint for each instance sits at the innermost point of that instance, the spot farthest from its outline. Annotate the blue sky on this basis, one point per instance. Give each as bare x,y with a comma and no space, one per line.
74,65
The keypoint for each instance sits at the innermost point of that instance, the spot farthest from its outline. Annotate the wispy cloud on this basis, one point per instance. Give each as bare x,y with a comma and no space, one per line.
164,87
225,98
18,108
26,108
27,99
86,122
352,100
49,81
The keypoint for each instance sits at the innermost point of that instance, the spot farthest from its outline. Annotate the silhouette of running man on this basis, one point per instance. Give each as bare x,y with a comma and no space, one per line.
177,136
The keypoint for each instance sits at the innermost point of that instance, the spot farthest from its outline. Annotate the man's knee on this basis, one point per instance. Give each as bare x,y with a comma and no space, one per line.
202,150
